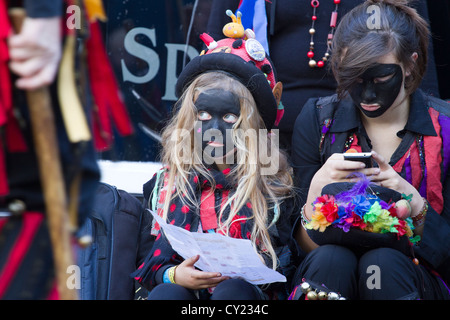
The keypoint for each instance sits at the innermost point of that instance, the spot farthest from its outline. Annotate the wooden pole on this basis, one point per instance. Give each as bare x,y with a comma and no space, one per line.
50,169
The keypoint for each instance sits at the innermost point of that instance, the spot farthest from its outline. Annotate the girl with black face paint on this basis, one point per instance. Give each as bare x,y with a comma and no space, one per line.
218,110
214,179
379,109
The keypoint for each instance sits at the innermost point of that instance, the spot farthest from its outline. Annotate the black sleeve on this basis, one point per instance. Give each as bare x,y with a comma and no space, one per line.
430,79
290,212
305,153
435,244
146,239
44,8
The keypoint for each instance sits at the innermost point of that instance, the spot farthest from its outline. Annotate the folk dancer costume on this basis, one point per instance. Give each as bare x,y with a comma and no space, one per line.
26,262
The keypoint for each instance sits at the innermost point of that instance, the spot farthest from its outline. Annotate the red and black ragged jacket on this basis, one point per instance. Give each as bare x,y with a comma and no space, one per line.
329,125
204,217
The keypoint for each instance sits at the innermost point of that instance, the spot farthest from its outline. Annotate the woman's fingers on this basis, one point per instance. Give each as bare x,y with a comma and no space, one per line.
382,163
207,279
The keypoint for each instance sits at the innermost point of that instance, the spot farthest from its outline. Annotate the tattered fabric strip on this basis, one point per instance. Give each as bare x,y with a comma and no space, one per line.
424,163
433,161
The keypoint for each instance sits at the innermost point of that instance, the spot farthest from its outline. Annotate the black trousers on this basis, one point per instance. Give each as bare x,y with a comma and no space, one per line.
380,274
231,289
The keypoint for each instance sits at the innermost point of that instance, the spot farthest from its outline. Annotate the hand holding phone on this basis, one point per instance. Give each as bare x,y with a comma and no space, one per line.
365,157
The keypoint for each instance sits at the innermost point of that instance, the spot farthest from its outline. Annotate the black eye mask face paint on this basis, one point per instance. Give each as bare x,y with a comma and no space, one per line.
377,89
217,110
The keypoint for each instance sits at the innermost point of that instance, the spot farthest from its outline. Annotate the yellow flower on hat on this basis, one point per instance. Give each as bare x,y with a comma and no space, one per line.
318,221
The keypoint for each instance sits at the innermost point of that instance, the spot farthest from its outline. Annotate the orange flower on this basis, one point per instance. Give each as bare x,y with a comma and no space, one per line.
318,221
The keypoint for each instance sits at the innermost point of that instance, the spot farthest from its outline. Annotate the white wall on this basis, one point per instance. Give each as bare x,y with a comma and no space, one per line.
128,175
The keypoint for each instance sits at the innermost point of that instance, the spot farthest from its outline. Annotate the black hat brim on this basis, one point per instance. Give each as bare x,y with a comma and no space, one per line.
245,72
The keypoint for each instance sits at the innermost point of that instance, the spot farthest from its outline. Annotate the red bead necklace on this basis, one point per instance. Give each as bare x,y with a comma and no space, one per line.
312,63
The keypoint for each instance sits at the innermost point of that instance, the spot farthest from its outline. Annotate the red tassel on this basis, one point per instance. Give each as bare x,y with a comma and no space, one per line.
433,161
106,94
31,224
14,139
5,83
280,113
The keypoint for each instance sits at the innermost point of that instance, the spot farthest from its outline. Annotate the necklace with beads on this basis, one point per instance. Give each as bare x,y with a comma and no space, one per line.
313,63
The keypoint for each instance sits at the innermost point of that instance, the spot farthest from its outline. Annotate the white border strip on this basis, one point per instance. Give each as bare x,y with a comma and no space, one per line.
127,175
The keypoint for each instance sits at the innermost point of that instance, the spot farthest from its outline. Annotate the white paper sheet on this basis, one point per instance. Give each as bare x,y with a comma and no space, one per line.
231,257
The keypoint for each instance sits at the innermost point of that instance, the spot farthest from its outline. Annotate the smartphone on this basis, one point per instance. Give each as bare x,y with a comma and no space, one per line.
365,157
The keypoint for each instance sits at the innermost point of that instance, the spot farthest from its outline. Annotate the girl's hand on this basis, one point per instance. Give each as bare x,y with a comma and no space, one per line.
188,276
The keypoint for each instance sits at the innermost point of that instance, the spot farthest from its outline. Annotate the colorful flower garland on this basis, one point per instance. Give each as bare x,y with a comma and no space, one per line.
362,211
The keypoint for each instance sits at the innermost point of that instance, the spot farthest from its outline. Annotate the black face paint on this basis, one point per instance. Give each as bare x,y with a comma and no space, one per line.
374,97
217,111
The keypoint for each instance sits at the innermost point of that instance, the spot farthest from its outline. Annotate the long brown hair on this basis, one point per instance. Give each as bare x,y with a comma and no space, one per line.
357,46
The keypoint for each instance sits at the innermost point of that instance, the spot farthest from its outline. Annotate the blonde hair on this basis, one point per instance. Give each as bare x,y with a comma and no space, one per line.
263,191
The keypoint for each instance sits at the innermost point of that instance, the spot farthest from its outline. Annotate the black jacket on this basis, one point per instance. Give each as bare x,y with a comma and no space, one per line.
311,149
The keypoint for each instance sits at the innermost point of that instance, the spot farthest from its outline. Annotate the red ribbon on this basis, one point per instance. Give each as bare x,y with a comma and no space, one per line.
433,161
14,139
106,93
208,215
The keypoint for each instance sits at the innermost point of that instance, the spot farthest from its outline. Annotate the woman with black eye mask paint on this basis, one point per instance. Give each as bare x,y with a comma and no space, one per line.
379,109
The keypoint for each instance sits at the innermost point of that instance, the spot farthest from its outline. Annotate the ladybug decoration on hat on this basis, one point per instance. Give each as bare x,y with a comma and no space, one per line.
242,56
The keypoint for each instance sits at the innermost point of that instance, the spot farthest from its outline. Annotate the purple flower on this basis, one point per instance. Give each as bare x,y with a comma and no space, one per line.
351,220
345,222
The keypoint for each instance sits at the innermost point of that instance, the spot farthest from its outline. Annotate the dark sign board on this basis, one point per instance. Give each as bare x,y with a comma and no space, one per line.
149,42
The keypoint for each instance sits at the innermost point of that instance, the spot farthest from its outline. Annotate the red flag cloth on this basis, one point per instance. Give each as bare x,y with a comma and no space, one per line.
14,139
106,93
427,180
30,225
433,161
5,90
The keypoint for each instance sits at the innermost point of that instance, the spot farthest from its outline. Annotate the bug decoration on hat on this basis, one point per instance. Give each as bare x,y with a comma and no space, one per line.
234,29
256,72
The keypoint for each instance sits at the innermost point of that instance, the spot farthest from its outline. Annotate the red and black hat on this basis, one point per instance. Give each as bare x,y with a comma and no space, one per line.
245,59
